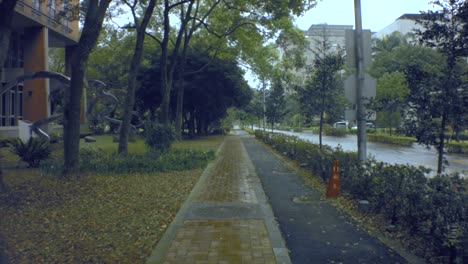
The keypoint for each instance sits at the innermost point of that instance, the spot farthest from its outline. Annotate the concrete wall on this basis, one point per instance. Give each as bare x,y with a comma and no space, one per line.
9,132
24,130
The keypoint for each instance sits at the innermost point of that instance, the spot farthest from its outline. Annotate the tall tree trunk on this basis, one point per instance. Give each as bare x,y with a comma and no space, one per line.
132,76
72,110
3,187
167,68
320,129
179,103
95,13
191,124
440,158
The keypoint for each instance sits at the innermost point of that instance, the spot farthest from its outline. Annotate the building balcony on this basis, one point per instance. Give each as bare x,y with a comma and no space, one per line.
62,32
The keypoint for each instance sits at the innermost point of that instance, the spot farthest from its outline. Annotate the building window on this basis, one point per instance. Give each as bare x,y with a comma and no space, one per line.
51,8
64,13
11,108
36,4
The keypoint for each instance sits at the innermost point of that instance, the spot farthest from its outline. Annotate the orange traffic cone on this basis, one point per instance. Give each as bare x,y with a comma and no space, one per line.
333,189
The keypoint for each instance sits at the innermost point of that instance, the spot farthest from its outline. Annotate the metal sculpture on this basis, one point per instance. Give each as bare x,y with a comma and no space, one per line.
101,93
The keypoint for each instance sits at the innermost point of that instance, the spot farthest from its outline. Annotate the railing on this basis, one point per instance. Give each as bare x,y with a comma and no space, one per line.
42,17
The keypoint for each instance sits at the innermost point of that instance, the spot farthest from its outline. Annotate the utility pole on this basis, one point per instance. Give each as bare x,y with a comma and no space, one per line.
360,115
264,104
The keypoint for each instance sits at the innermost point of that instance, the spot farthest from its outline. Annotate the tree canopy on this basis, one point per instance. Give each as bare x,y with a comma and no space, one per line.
211,87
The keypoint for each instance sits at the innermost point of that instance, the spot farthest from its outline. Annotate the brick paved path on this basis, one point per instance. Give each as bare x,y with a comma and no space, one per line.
226,219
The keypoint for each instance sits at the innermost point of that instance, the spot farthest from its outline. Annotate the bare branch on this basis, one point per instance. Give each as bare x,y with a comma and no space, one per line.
179,3
154,38
232,30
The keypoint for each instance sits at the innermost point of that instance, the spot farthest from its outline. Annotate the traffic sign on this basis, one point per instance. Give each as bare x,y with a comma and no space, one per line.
350,42
368,89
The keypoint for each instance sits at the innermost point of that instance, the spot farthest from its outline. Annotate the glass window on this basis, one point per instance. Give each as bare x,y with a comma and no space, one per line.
36,4
20,105
65,11
52,7
13,102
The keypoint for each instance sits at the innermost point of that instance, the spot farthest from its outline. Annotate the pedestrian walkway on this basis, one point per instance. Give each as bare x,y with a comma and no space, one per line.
226,218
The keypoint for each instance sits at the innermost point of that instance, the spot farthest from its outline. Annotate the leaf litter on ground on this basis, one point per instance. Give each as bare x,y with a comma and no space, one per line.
93,218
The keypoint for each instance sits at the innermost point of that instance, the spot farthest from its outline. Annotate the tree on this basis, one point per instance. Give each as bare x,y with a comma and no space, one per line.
323,91
210,90
140,25
254,110
446,31
389,42
392,96
95,11
243,29
275,103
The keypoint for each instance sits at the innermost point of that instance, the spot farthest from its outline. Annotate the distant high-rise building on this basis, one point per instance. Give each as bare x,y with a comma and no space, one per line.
334,35
405,24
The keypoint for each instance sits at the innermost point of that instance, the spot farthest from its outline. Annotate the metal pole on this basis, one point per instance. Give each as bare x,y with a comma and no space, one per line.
360,115
264,105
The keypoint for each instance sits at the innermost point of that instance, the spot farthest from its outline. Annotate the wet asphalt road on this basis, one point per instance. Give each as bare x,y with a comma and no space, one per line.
417,155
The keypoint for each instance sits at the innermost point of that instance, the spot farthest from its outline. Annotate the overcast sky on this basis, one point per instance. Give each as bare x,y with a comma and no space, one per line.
376,14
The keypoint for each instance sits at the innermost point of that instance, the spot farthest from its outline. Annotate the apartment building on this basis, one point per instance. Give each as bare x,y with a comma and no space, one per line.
334,35
404,24
37,26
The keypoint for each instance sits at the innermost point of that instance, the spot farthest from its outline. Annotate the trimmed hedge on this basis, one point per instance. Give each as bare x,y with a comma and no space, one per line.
394,140
457,147
434,210
335,132
248,130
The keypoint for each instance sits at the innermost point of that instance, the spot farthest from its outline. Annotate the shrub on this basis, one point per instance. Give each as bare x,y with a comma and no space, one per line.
393,140
335,132
97,161
5,142
158,137
55,138
457,147
248,130
33,151
432,209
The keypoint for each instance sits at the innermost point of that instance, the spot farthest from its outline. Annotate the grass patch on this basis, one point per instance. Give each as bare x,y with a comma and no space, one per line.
96,218
105,143
203,143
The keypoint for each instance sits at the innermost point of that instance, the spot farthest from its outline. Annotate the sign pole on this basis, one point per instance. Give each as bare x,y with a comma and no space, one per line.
360,115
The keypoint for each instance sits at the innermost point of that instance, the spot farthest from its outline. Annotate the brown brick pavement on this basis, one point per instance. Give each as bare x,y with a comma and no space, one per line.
220,239
229,181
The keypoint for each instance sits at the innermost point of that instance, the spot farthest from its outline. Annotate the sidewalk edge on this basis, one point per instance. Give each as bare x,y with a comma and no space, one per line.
280,250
